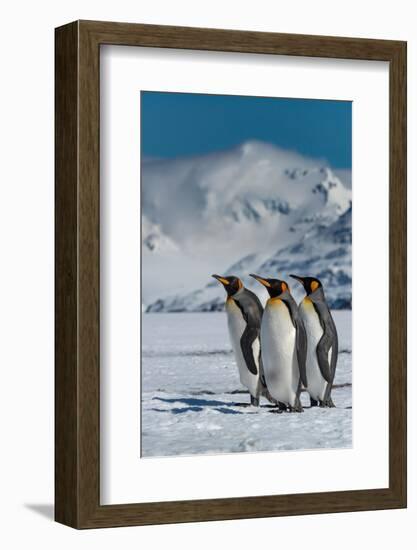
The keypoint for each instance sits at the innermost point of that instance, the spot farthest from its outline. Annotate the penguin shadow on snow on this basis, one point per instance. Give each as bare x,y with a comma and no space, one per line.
178,410
197,405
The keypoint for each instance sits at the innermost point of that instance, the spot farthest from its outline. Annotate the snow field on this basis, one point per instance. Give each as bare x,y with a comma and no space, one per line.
192,401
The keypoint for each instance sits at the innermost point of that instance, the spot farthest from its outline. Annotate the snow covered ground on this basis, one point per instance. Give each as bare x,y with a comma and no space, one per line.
193,403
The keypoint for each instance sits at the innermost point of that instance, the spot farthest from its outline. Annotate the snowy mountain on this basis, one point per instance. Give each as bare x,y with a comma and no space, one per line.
154,240
256,208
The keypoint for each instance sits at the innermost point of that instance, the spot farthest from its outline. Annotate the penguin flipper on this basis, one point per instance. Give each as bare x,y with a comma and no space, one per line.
300,338
323,348
328,341
248,337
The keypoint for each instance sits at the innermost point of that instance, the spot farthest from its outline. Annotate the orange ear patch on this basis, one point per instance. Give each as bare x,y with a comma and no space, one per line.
284,287
314,286
240,284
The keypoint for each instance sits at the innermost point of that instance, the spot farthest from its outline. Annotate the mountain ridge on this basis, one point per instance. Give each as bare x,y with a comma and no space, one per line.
254,208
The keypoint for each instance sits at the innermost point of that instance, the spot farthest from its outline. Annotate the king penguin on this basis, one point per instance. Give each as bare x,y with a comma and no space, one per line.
322,342
284,344
244,314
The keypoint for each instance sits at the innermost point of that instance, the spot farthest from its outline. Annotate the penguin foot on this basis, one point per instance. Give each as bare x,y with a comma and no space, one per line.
279,404
313,402
269,397
297,408
328,404
254,401
272,400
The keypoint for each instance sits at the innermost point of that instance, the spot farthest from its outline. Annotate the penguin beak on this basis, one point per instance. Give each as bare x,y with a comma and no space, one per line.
221,279
260,280
298,278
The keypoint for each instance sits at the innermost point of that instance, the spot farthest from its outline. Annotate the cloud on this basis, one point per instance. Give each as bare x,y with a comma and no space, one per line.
345,176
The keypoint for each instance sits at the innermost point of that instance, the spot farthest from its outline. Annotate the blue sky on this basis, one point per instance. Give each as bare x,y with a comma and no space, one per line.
175,124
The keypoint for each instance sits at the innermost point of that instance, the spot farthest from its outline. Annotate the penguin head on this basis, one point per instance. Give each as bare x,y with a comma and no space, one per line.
231,284
310,284
275,287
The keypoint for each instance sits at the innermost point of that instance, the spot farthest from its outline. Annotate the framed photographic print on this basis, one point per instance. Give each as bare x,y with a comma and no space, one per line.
230,274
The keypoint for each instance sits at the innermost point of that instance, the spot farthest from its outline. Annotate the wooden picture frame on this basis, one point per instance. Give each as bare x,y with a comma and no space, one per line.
77,372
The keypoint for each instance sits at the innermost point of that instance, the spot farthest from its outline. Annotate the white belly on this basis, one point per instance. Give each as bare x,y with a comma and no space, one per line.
279,353
237,325
316,383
